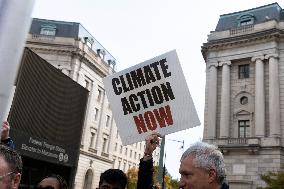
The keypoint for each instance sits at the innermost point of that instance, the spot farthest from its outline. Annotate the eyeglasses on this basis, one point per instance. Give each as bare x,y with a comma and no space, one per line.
47,187
7,174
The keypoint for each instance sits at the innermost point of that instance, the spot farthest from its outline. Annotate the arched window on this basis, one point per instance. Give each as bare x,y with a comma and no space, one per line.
47,29
246,19
88,179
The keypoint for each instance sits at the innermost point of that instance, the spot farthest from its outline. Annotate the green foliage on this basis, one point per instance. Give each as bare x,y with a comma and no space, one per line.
273,180
132,176
174,184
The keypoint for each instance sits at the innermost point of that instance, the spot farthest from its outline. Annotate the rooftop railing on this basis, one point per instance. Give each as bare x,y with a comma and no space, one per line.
242,29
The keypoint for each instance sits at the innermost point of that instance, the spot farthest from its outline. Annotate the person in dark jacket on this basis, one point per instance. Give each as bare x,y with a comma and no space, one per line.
5,138
146,171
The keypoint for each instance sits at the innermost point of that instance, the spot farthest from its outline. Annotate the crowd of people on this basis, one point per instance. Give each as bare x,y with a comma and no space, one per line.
201,167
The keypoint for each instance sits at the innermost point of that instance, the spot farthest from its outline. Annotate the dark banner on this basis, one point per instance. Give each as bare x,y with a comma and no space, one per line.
44,150
47,113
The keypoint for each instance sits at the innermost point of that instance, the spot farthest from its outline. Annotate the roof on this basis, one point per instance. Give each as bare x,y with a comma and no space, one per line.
63,29
260,14
68,29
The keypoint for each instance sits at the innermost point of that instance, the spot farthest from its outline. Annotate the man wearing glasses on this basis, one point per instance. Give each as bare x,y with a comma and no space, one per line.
10,168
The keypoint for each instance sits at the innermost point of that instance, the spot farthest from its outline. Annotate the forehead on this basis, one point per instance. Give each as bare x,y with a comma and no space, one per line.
49,182
187,163
4,167
106,185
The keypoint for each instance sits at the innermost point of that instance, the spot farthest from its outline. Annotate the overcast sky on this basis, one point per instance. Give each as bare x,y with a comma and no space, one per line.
136,30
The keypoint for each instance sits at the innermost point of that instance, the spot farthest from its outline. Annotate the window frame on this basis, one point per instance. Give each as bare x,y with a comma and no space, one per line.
244,71
245,126
47,29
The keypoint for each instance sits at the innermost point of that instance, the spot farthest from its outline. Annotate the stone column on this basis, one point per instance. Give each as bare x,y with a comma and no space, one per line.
259,96
75,67
274,108
225,100
212,100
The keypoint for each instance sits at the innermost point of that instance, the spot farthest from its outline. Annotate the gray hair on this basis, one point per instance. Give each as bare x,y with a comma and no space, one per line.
207,156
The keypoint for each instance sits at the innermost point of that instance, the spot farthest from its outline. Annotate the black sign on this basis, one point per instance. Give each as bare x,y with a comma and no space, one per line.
47,112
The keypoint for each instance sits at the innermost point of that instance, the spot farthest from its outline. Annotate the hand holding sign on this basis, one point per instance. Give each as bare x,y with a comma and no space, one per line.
151,96
5,130
152,141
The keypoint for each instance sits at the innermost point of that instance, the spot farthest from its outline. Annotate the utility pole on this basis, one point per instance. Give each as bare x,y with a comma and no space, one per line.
161,162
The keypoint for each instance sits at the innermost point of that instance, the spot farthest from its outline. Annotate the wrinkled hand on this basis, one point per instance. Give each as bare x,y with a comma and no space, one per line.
5,130
152,141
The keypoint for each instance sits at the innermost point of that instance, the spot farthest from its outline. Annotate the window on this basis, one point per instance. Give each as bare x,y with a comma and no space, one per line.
244,20
135,155
48,30
120,150
125,151
96,114
115,148
244,100
243,71
105,140
93,136
114,160
107,120
119,162
130,154
244,128
124,166
99,95
88,179
117,134
87,84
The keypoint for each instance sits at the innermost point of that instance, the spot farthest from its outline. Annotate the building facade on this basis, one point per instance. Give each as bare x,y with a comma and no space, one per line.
69,47
244,103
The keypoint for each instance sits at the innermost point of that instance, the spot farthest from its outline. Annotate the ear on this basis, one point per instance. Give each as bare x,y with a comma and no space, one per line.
16,181
212,175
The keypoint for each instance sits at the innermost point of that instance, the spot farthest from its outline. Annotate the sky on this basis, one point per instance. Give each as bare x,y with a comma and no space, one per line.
137,30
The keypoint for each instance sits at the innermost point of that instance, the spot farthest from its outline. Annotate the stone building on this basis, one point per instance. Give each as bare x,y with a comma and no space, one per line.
69,47
244,104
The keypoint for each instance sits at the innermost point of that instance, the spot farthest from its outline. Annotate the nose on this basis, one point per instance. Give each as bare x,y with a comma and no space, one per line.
180,184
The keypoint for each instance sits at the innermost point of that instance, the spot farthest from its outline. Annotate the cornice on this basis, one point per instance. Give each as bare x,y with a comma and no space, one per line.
72,52
274,34
95,156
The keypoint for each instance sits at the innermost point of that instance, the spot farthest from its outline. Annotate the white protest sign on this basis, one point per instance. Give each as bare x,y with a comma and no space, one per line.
151,96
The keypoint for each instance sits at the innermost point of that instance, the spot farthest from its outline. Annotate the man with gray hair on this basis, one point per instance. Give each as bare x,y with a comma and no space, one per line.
202,167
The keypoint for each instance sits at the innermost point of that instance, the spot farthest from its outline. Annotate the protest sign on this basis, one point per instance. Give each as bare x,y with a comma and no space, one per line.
151,96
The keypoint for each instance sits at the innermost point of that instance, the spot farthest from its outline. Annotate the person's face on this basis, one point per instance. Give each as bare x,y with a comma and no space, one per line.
8,179
106,185
193,177
50,183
